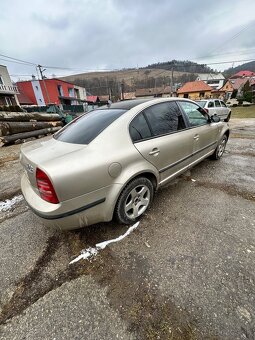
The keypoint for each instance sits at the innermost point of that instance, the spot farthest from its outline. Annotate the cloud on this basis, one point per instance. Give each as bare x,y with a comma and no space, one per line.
112,34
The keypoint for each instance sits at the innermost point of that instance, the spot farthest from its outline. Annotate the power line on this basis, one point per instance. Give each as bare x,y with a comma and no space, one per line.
240,52
231,38
17,60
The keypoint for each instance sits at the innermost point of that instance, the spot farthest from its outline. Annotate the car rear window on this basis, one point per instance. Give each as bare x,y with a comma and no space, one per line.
88,126
201,103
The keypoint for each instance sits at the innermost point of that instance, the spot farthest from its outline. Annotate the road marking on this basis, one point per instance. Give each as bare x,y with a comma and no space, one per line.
93,251
9,204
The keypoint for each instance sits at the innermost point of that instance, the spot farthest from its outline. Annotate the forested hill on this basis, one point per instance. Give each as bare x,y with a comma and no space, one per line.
181,66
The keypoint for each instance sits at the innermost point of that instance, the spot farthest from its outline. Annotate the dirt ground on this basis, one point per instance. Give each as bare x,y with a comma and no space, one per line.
186,272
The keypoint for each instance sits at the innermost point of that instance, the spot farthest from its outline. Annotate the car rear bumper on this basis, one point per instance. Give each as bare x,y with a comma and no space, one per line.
91,208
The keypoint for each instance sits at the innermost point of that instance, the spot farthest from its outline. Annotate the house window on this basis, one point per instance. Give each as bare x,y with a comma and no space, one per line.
1,81
70,92
186,95
60,91
201,94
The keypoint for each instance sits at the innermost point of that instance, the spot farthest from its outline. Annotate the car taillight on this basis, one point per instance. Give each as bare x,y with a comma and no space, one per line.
206,110
45,187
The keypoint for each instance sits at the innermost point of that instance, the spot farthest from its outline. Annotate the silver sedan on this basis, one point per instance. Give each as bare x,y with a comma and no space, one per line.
110,162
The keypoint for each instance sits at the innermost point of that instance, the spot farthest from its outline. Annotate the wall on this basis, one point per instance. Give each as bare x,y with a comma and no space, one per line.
43,92
7,82
82,92
195,95
38,92
52,88
5,75
27,88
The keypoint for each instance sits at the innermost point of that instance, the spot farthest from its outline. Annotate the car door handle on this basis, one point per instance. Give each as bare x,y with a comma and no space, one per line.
154,152
196,137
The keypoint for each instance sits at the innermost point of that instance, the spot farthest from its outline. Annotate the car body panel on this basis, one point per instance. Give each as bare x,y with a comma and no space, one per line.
205,139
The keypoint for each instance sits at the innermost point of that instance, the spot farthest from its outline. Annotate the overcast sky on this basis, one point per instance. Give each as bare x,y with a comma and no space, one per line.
111,34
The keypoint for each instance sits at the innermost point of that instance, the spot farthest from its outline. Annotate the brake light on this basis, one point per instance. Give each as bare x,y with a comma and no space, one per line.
45,187
206,110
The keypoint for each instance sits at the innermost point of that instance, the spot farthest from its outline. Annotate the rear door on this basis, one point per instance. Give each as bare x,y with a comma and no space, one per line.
204,133
161,136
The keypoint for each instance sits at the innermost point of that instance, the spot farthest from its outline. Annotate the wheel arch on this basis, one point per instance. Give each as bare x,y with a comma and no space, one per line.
148,174
144,174
227,132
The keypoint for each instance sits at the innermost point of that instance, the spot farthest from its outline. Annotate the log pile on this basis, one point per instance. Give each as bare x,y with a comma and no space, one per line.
17,127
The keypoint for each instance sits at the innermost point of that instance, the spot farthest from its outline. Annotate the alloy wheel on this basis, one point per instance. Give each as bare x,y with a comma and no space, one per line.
137,201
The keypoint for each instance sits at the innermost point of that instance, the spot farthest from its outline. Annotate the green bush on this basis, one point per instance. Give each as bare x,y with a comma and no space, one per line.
247,97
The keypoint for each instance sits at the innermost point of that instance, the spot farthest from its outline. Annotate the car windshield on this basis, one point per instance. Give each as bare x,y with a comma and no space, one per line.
201,103
88,126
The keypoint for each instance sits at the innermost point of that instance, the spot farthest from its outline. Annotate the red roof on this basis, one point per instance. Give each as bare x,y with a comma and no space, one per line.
238,82
93,99
194,86
243,74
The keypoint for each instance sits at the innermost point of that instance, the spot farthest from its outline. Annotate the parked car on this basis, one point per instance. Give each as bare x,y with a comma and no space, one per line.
216,106
110,162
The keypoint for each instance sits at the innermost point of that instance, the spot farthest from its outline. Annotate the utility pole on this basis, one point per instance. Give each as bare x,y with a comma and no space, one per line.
172,76
122,89
42,76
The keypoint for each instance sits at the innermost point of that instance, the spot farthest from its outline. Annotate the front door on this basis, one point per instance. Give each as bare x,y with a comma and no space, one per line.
204,133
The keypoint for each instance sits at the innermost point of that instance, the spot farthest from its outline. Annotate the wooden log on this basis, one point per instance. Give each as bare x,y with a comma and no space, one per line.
12,138
28,116
10,128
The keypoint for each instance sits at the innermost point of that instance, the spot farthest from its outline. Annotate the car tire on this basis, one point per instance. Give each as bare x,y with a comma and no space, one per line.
134,200
228,117
220,148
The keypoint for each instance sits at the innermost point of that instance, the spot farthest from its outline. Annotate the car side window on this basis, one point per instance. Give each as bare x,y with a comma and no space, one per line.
164,118
194,114
139,128
223,104
217,103
210,104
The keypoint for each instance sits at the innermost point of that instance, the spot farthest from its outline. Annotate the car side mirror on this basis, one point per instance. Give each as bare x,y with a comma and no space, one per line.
215,119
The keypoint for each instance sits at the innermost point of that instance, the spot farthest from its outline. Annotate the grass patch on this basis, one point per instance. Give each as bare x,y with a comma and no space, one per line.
243,111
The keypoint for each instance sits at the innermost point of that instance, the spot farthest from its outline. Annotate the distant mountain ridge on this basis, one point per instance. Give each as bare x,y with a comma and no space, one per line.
181,66
151,76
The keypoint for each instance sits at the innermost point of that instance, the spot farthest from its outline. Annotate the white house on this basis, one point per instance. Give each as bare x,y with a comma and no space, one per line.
8,91
215,80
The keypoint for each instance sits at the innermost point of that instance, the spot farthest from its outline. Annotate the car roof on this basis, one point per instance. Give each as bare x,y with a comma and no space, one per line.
129,104
207,100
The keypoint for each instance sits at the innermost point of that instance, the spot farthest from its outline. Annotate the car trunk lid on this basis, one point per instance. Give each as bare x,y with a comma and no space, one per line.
36,154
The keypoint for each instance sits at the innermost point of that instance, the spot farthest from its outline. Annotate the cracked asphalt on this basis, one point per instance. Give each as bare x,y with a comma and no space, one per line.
187,271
